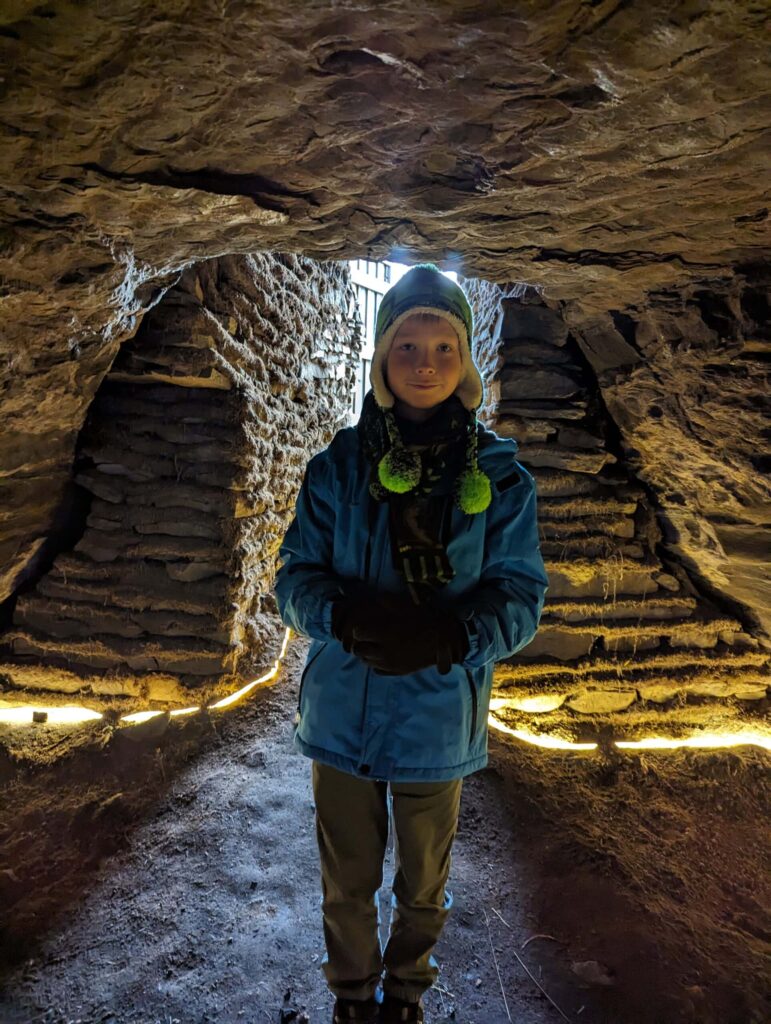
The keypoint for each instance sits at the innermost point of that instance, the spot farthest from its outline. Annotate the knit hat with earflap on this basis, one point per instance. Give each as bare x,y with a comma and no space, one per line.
425,289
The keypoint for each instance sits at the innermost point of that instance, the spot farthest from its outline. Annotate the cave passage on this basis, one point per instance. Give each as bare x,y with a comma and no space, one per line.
202,208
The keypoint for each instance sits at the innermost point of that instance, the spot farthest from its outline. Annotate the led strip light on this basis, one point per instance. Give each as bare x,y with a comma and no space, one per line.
73,715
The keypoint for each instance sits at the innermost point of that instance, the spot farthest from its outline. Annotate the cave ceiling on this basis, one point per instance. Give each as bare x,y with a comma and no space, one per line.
600,151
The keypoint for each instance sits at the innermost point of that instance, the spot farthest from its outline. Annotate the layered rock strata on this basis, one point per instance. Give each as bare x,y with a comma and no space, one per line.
602,151
192,454
685,378
622,630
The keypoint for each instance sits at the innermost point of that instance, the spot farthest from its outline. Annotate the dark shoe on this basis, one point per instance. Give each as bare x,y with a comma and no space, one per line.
397,1011
360,1011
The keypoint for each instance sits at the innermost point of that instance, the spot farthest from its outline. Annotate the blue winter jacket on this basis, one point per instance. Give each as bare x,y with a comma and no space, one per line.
423,726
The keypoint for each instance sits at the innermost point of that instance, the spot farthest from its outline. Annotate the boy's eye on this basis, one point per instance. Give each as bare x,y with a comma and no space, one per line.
443,344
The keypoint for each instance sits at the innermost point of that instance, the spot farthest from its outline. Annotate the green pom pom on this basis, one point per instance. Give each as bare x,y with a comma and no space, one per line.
474,493
399,470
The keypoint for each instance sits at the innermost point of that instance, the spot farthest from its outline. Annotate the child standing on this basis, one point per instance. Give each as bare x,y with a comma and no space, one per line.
413,564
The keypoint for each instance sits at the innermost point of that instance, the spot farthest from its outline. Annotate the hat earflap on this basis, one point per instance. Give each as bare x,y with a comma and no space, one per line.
399,470
473,492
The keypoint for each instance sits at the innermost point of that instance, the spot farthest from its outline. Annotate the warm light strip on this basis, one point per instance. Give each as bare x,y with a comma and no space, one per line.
144,716
705,739
22,715
538,704
65,715
140,716
227,701
699,741
72,715
539,739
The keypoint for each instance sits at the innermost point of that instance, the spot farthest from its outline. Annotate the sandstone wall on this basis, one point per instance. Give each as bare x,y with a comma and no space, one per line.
685,377
192,454
627,627
600,151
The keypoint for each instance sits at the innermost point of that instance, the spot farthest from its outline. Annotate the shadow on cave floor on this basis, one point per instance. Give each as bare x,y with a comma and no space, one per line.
177,881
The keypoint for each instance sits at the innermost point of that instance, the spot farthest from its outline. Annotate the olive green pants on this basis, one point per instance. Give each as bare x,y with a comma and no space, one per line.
352,821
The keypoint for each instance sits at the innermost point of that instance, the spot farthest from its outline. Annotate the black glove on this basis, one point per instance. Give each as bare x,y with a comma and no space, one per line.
419,638
349,611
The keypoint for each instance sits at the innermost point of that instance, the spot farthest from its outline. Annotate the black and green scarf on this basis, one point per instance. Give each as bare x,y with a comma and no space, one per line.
433,456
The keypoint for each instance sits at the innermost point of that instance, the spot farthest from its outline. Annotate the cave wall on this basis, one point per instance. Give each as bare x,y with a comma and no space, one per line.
601,152
630,638
613,156
192,454
194,450
686,380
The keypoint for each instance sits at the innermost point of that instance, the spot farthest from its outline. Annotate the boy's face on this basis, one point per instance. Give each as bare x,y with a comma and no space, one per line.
423,365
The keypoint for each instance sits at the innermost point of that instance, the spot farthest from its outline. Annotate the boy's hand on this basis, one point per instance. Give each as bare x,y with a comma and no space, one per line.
400,646
395,641
349,612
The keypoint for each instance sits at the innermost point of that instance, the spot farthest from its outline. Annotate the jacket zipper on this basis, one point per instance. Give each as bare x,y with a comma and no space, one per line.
305,672
474,702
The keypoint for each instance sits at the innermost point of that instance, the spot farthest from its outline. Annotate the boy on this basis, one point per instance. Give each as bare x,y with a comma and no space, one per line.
413,564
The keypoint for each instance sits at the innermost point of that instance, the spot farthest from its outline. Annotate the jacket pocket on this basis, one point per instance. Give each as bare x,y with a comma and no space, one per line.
305,673
474,705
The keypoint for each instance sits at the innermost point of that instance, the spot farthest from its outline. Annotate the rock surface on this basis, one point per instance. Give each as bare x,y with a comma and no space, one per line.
610,156
615,623
190,460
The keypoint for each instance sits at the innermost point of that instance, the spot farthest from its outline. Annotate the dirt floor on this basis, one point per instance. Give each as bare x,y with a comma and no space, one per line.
171,878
